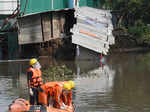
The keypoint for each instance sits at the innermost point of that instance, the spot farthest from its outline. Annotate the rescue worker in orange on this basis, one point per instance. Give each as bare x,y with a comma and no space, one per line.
46,95
67,93
34,78
57,90
50,97
63,95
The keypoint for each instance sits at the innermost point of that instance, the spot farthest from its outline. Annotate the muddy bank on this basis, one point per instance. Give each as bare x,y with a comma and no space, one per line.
135,49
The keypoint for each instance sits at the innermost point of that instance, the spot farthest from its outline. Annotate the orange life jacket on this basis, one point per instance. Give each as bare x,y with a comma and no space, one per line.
36,78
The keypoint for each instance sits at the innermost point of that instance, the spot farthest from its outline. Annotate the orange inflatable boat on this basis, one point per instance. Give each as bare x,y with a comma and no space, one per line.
22,105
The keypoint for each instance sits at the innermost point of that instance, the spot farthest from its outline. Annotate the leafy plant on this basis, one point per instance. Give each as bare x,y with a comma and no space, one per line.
54,73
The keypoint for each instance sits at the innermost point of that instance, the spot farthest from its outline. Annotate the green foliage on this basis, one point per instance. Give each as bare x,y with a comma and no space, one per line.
134,15
56,73
140,31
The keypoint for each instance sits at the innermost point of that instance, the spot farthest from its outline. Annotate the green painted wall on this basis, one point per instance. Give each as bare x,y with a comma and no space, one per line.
12,44
90,3
38,6
3,16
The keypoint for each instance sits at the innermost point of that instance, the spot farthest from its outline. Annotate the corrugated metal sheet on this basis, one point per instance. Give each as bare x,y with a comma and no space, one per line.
32,6
39,6
93,29
7,6
30,30
46,24
90,43
41,27
56,25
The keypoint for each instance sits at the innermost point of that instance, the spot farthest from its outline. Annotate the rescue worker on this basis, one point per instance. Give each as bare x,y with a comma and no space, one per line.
58,103
34,78
46,96
102,60
63,95
67,93
50,97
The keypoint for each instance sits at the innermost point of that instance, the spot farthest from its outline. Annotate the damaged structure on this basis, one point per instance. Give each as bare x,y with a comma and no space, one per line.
8,29
44,27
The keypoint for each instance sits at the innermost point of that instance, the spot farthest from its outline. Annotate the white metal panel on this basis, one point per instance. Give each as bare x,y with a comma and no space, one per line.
101,19
105,39
93,29
103,30
97,40
101,33
7,6
95,45
95,11
88,22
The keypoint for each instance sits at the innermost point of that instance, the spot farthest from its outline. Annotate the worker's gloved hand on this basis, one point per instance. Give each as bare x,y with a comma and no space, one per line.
31,92
63,106
69,107
40,89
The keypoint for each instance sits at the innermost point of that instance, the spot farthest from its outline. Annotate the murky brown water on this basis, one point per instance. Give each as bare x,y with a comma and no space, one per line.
121,85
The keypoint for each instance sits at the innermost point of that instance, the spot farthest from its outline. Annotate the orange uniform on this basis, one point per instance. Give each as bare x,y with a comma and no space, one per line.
46,96
57,96
67,97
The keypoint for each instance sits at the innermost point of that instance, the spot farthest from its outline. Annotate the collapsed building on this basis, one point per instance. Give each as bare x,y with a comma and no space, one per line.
46,27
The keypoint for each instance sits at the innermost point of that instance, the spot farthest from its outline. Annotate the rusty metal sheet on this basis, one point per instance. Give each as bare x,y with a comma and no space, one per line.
30,30
46,22
62,23
56,25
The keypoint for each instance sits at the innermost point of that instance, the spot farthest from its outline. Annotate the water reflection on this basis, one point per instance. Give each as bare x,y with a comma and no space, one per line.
131,84
10,74
93,85
121,85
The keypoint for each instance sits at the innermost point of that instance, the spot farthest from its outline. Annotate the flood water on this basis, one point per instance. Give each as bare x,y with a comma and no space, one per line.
120,85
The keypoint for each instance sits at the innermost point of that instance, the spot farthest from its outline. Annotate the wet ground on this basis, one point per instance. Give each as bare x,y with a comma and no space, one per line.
120,85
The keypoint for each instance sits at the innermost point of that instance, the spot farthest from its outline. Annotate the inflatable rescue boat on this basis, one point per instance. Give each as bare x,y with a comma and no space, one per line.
22,105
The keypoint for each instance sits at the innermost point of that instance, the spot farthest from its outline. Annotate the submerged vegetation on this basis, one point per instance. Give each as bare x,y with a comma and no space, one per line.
57,72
